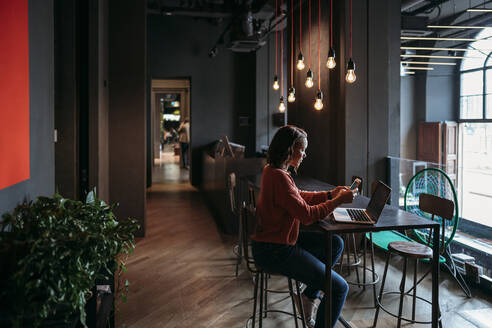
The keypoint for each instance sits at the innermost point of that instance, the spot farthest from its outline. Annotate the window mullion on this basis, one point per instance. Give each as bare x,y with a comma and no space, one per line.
484,101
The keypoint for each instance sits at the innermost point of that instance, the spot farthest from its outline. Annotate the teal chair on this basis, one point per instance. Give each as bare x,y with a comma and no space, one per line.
435,182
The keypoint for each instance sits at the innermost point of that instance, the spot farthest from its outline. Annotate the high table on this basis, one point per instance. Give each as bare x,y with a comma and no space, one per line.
391,218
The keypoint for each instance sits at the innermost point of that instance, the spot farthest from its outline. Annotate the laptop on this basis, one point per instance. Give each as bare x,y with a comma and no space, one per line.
371,214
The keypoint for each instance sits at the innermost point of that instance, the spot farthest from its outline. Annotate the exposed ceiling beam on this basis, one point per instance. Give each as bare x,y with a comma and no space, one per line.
407,4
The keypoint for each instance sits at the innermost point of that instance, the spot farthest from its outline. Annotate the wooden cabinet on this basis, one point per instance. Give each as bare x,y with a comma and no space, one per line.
438,143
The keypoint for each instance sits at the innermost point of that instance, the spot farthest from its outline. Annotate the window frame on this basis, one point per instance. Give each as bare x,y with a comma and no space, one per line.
484,70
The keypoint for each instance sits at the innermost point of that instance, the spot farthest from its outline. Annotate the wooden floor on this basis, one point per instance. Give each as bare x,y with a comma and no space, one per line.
182,272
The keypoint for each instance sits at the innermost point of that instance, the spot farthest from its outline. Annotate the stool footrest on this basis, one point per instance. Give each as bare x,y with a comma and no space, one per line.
403,318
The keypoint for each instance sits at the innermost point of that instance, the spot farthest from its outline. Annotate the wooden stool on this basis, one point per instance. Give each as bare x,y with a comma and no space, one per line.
261,276
412,250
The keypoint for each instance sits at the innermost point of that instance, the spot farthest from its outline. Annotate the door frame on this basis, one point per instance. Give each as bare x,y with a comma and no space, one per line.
174,85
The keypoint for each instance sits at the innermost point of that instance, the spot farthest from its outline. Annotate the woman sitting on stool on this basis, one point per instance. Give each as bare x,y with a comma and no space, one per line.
277,243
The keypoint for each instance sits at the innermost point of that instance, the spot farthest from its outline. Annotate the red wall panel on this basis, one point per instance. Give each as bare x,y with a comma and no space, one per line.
14,92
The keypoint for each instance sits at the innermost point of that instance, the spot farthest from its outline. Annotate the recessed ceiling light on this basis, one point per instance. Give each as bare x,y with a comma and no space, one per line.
435,38
458,26
428,63
419,68
433,56
478,10
443,49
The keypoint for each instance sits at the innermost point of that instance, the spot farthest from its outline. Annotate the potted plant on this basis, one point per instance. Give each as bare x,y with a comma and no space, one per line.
52,251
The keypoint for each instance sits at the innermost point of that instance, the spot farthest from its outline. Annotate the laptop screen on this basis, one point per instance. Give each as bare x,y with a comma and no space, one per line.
378,200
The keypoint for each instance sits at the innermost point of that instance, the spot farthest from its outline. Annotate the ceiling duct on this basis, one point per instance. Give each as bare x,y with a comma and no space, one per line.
407,4
415,26
250,31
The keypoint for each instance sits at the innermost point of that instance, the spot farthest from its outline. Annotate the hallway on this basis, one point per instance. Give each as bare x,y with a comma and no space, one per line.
174,282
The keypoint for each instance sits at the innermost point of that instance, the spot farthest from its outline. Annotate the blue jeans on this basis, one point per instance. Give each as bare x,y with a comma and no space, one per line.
305,262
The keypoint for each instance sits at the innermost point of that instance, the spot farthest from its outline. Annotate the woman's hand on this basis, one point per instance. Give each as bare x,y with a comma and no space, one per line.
336,191
345,196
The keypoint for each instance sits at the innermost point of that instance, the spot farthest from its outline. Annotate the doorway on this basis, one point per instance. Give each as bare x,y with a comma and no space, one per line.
170,131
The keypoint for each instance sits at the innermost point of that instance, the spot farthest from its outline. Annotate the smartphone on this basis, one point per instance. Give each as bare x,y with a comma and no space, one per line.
355,184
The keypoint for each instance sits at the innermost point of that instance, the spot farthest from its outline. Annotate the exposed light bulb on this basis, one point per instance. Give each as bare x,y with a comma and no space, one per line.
276,86
350,77
281,106
318,105
300,62
292,95
309,79
331,63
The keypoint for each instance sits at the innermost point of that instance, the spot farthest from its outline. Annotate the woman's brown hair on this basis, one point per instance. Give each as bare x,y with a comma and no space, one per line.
283,143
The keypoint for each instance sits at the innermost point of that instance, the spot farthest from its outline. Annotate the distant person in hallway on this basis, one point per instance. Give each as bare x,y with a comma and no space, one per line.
184,142
278,244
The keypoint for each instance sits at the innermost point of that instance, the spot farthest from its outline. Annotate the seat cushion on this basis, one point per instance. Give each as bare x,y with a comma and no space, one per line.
410,249
383,238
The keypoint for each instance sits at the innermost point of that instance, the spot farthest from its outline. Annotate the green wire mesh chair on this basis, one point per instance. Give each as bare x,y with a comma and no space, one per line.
435,182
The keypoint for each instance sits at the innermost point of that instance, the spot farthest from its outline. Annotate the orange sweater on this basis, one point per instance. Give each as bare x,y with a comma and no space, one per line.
281,208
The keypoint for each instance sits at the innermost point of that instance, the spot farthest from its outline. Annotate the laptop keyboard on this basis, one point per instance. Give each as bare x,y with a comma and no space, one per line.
358,215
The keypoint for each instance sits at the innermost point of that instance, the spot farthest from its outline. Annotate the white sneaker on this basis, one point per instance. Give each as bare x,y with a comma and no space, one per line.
310,309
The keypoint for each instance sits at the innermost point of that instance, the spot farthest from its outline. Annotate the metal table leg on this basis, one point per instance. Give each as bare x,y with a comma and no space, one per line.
435,278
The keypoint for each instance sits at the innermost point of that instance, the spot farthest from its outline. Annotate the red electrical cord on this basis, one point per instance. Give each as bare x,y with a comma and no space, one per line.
291,43
276,37
281,58
331,23
319,42
300,25
310,34
350,48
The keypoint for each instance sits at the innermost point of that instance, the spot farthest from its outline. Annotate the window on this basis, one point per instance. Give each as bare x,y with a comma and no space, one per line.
476,79
475,148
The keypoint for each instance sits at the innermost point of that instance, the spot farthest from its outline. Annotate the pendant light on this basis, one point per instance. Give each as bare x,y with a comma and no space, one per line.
292,91
309,79
300,59
275,78
309,76
331,63
318,104
350,77
281,106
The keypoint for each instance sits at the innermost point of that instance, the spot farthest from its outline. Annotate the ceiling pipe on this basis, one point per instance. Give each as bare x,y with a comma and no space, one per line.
407,4
177,11
433,4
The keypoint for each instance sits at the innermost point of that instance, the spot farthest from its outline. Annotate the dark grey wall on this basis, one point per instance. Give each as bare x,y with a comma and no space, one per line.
326,145
267,99
127,108
408,118
441,103
427,97
360,123
222,88
41,114
98,98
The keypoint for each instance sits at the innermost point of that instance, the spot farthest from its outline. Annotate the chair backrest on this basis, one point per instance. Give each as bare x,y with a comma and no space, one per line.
435,182
231,181
437,206
361,182
441,207
248,221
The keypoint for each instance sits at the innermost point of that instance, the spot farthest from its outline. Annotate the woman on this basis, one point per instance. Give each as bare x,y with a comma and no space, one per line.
277,243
